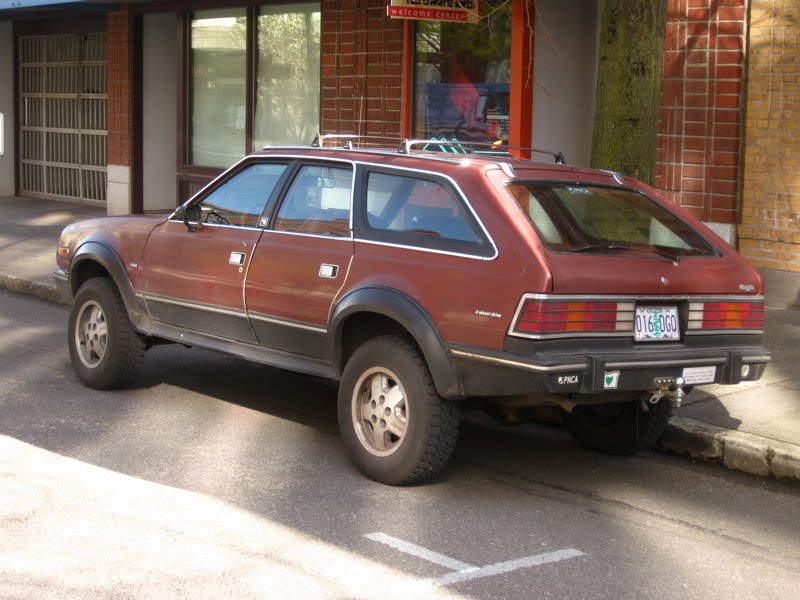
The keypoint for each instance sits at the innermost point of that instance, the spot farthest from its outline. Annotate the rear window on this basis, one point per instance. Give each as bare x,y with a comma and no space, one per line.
596,219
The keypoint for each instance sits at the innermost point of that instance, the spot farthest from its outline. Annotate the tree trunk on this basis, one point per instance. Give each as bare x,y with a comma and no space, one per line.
628,86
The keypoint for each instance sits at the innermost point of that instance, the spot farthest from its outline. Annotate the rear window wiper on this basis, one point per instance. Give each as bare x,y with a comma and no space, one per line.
592,247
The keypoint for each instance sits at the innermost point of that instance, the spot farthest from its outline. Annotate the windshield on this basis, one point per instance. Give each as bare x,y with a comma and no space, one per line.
596,219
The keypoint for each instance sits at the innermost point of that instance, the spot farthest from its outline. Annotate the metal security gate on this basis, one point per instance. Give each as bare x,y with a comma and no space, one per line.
62,124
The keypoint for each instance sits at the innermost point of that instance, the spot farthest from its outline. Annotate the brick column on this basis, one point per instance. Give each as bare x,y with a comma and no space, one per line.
770,226
700,126
362,57
119,111
770,229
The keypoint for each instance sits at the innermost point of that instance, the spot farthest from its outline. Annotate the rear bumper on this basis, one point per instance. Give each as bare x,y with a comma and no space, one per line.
502,373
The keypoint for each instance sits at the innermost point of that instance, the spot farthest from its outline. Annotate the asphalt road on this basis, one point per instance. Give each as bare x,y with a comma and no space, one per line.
214,478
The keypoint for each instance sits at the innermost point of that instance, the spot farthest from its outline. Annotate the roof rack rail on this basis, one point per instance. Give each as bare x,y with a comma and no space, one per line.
320,139
434,144
459,147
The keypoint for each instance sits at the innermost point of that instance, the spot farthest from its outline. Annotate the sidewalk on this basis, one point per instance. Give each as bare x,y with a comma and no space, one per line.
751,427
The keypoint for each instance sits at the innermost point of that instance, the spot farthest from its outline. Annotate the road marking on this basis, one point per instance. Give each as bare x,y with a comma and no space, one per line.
465,572
419,551
506,567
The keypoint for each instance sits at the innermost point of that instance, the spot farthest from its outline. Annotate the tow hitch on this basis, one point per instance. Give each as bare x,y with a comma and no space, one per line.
668,387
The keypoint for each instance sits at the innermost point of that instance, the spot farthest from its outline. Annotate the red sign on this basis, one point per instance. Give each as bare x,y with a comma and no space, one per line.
458,11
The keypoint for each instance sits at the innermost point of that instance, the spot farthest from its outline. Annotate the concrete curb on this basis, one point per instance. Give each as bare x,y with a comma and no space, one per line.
735,449
32,288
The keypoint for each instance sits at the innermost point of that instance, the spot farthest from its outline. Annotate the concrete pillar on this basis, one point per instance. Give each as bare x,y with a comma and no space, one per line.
159,139
7,181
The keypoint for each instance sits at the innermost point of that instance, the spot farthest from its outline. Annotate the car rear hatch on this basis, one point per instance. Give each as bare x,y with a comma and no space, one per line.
636,284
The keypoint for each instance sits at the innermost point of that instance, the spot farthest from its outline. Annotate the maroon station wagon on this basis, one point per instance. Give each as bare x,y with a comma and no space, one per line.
427,283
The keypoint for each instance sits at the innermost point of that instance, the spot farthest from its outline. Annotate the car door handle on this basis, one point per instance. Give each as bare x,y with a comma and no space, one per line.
328,271
237,258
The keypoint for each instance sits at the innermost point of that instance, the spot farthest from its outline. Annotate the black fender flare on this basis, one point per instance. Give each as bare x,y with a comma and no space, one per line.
410,315
106,257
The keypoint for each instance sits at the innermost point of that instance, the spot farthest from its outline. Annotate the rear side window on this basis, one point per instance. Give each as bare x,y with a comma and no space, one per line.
420,210
579,218
318,202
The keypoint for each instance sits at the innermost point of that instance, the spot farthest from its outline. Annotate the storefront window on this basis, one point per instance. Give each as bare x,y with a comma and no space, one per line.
283,101
287,83
218,86
462,77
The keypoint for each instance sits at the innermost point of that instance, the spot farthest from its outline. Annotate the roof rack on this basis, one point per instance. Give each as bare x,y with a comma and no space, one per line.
434,145
459,147
320,139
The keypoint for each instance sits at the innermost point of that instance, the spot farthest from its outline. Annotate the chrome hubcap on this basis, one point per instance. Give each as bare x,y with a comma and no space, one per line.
91,334
380,412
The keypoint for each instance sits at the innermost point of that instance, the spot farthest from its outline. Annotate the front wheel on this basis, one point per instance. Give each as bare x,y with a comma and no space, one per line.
622,427
395,426
106,351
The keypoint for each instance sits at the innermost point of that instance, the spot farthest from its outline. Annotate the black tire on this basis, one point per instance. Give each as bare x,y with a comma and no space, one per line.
402,444
105,350
623,427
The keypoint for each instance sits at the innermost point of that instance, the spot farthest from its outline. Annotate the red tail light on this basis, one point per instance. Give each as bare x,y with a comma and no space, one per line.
552,318
726,315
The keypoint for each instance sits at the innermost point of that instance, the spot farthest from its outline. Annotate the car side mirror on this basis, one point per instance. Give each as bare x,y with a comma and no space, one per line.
193,212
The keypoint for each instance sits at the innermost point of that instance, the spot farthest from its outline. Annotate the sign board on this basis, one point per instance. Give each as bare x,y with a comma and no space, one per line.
458,11
8,4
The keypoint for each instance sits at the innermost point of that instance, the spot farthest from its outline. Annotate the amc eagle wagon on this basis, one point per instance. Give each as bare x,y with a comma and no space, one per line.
426,283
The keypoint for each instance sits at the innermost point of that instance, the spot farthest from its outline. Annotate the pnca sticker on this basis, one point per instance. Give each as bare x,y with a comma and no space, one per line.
611,380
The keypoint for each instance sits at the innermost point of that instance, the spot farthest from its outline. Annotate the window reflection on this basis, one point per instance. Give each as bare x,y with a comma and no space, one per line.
462,78
218,76
241,200
287,85
421,208
285,80
318,202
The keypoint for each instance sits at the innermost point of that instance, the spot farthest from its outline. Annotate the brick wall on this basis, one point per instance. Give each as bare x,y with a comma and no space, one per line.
700,124
770,228
119,89
362,57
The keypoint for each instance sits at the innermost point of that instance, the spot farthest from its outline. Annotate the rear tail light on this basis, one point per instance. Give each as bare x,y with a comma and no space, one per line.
545,318
715,316
558,317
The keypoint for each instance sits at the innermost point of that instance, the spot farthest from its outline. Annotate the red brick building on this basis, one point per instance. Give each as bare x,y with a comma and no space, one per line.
136,107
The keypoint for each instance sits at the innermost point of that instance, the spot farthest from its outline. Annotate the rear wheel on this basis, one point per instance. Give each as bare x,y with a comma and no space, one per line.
396,428
622,427
106,351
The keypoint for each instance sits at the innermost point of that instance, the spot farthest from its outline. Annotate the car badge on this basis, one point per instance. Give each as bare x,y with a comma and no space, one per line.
664,281
747,287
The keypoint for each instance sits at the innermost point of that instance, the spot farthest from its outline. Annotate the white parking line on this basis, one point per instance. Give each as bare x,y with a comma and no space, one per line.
506,567
419,551
464,572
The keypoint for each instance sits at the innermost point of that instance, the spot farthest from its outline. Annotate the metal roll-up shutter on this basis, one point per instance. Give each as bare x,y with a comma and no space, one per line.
62,117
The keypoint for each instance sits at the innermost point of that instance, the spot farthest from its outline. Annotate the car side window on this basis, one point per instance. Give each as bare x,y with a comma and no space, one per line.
318,202
241,200
421,208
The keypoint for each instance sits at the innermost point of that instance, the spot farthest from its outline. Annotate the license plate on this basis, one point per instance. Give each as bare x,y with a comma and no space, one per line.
654,323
